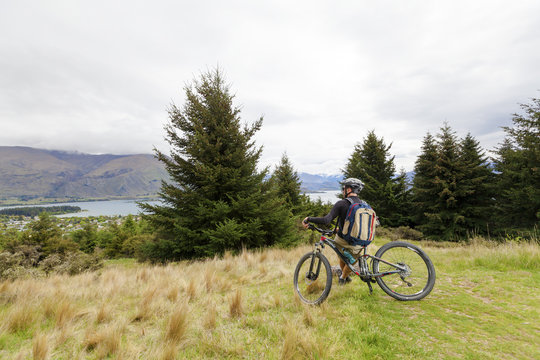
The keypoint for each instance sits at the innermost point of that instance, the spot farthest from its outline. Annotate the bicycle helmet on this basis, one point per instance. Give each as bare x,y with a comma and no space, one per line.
355,184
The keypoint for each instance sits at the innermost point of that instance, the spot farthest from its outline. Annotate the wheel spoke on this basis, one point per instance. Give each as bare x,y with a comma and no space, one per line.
416,277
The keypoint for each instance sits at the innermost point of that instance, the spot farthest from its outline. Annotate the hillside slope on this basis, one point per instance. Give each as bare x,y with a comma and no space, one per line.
27,173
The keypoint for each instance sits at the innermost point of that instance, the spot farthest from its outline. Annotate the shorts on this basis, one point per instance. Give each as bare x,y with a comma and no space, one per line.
354,250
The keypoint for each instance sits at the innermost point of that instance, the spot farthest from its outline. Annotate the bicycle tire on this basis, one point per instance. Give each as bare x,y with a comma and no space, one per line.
309,283
416,282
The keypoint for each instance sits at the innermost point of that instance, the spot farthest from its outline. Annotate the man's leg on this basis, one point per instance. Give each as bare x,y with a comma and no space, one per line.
345,270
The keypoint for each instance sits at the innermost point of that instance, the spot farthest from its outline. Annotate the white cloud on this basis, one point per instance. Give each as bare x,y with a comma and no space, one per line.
98,76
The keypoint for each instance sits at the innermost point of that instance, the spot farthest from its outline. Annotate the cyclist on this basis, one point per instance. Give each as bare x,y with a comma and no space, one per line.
350,188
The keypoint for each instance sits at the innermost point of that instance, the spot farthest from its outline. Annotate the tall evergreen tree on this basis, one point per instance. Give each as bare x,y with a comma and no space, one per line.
424,189
287,183
372,163
518,168
401,201
477,186
452,186
215,199
446,219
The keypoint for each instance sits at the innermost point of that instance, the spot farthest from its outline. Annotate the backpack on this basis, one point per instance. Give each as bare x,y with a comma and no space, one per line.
360,223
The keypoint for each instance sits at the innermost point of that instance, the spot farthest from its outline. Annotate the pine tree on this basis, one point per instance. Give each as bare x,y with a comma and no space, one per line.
452,186
477,186
401,201
371,162
287,184
216,199
424,190
518,168
448,173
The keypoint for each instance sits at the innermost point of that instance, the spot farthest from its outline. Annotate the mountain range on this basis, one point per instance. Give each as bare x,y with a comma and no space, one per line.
28,173
315,183
47,175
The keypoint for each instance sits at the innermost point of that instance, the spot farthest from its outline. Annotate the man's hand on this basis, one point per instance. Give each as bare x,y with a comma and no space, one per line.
305,222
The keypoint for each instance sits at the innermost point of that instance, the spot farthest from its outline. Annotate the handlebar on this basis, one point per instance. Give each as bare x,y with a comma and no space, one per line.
322,231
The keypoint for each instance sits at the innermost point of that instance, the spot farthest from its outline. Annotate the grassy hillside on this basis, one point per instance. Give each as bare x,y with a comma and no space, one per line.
484,305
27,173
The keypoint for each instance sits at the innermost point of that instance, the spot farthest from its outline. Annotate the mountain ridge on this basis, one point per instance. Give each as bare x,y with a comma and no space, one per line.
39,175
28,173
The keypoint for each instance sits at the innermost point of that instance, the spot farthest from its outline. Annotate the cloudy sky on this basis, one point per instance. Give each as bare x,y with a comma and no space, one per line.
98,76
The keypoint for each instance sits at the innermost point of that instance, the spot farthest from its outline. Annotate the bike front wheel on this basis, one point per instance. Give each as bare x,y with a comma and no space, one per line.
415,276
313,278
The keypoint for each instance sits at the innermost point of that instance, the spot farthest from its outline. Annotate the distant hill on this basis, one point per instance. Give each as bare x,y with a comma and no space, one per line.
27,173
312,183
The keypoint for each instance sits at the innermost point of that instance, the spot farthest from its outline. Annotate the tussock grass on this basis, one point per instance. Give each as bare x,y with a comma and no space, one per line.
177,325
104,341
210,318
103,314
236,308
484,305
40,347
64,313
169,352
191,289
20,318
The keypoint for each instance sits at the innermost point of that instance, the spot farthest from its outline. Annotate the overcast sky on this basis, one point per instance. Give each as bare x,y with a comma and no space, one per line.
98,76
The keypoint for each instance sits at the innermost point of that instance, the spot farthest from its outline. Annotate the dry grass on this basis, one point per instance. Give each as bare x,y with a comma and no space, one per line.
177,325
235,304
105,341
103,314
210,318
172,293
65,312
209,278
298,344
40,347
20,318
169,352
144,310
244,306
191,290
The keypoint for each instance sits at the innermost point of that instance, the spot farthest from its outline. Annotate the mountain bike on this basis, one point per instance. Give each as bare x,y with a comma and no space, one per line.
402,270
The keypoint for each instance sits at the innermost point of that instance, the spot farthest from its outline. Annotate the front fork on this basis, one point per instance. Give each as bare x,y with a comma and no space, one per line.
314,275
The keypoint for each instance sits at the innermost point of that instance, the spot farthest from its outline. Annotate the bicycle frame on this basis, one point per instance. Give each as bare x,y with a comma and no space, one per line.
327,241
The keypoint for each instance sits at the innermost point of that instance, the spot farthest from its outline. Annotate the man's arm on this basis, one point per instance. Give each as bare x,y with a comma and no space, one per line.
325,220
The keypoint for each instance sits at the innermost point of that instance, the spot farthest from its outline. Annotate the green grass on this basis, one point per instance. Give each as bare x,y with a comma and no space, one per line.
484,306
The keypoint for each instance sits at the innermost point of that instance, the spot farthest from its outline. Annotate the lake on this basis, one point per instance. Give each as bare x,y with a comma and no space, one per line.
97,208
127,207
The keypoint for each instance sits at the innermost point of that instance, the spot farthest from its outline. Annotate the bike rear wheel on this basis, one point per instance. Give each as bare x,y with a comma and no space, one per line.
313,278
416,278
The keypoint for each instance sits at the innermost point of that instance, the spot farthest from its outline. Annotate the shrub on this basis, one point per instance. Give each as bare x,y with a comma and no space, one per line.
73,263
400,233
12,266
131,246
50,263
405,232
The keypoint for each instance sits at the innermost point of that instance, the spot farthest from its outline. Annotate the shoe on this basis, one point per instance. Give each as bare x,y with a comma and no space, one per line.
344,281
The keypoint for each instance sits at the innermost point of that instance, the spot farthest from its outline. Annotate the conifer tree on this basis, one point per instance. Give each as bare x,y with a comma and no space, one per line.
372,164
446,220
477,187
452,186
518,168
216,198
401,201
287,184
424,190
